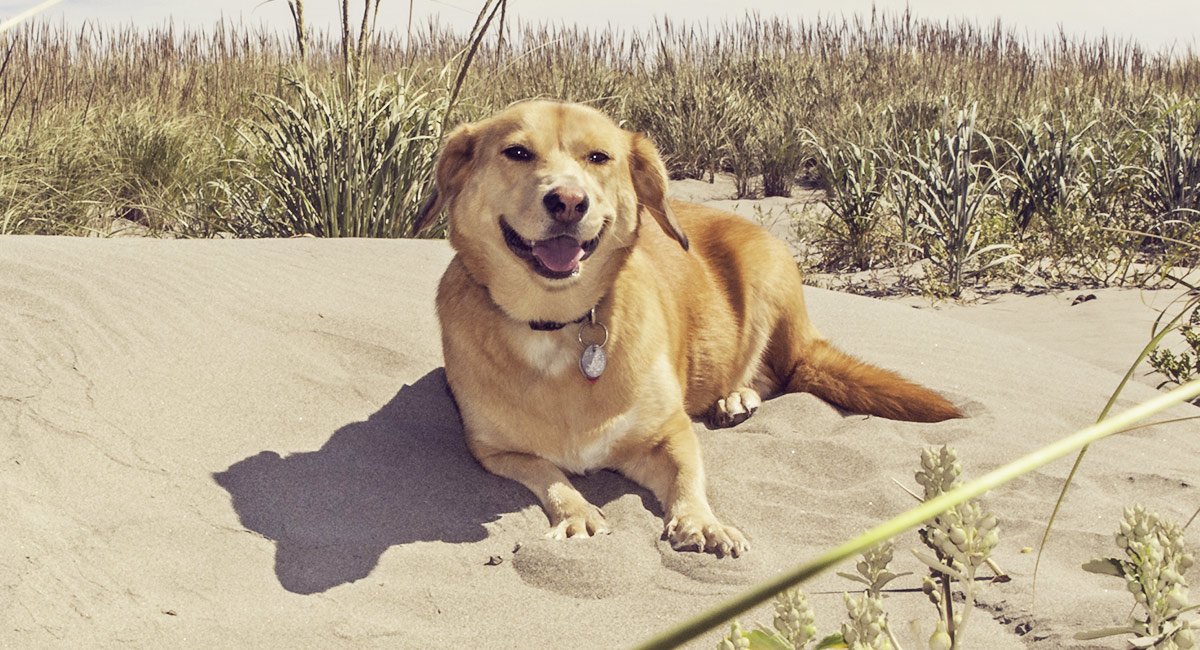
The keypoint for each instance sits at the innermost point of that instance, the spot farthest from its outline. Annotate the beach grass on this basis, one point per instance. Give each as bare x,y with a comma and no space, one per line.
177,130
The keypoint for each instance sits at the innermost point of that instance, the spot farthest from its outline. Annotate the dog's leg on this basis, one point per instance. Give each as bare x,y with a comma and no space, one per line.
673,470
571,515
734,409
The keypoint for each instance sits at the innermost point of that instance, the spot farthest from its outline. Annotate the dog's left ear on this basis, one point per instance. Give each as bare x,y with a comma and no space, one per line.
451,172
650,183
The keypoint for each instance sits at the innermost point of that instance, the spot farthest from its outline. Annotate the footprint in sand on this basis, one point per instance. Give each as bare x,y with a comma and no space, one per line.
592,568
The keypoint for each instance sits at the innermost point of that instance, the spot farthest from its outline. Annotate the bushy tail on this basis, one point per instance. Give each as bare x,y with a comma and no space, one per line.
851,384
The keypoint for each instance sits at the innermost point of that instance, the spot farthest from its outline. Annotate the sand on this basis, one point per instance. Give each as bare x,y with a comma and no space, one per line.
250,444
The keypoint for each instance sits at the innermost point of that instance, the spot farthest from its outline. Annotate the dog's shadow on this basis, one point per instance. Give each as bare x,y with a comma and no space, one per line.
404,475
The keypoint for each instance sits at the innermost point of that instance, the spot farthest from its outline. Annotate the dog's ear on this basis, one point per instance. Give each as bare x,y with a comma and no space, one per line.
450,174
650,183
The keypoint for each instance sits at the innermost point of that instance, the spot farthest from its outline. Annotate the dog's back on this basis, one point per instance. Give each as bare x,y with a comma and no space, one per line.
758,334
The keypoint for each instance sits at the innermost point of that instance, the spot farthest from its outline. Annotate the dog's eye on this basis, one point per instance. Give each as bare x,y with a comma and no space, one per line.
518,153
598,158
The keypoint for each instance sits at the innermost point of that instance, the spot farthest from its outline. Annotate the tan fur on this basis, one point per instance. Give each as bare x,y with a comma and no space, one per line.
704,311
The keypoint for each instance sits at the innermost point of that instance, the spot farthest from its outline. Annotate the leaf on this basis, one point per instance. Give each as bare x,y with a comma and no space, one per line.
886,577
834,640
1145,641
856,578
760,640
1108,566
1103,632
934,564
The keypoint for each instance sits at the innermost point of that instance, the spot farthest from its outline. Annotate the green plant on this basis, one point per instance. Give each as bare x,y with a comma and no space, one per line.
1170,173
1153,564
794,624
867,625
952,190
962,539
855,179
1044,168
337,165
794,621
1185,366
780,143
873,571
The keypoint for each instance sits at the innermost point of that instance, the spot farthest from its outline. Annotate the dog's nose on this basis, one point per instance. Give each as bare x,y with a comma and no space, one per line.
567,204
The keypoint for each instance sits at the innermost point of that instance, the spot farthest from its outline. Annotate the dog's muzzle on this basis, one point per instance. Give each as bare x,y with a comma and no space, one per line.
556,258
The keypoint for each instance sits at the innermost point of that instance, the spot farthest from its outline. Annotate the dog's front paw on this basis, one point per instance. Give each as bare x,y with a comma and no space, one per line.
705,534
589,521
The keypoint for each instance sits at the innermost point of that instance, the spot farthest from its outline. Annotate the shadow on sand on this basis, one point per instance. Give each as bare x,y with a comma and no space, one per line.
404,475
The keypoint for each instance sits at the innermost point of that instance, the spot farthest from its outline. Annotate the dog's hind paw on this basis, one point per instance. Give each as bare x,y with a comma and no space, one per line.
705,535
588,523
735,408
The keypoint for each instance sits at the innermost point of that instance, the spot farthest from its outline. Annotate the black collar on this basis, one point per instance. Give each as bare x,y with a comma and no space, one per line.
550,326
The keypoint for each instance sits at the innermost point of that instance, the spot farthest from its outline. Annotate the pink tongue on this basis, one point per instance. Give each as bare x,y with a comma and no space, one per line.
560,254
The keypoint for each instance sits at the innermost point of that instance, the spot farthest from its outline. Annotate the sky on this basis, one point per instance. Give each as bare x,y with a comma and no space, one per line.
1155,24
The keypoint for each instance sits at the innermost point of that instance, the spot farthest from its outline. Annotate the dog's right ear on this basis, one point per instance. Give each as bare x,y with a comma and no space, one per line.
450,175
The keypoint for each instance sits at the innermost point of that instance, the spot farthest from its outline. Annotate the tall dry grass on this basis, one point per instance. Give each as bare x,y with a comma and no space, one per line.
753,97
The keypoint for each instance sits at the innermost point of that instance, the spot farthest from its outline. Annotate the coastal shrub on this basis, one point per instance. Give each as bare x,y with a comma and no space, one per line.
1183,367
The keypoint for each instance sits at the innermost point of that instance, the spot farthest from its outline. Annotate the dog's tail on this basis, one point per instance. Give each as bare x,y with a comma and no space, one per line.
842,380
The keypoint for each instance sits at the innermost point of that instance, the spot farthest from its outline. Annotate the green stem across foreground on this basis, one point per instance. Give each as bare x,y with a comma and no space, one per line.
696,626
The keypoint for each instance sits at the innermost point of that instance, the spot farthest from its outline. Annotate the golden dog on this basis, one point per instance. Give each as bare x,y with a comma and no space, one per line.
586,319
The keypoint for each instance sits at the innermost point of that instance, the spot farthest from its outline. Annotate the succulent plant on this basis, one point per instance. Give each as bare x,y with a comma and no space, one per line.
873,568
962,539
1153,566
794,618
867,627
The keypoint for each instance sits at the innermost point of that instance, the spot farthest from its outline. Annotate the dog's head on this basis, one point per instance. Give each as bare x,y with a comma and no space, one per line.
544,200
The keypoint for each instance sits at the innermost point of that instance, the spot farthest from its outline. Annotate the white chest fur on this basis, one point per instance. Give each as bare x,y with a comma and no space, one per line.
595,454
549,352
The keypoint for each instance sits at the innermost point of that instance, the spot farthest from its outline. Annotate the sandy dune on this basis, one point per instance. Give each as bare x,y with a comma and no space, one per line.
250,443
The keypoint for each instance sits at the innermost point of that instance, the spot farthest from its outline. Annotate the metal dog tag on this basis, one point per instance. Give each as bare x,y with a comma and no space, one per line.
592,362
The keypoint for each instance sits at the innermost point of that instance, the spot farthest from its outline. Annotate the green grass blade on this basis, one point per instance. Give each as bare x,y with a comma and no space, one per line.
1112,399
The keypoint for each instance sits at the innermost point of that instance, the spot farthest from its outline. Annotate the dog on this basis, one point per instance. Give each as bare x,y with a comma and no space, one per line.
586,319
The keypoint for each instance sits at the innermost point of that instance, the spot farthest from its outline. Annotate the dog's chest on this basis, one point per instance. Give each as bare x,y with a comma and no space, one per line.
549,353
596,452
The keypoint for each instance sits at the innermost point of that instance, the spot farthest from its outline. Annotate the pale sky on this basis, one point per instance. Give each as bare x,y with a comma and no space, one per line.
1153,23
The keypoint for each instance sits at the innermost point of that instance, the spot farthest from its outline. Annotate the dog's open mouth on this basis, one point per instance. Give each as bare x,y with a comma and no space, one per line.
556,258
